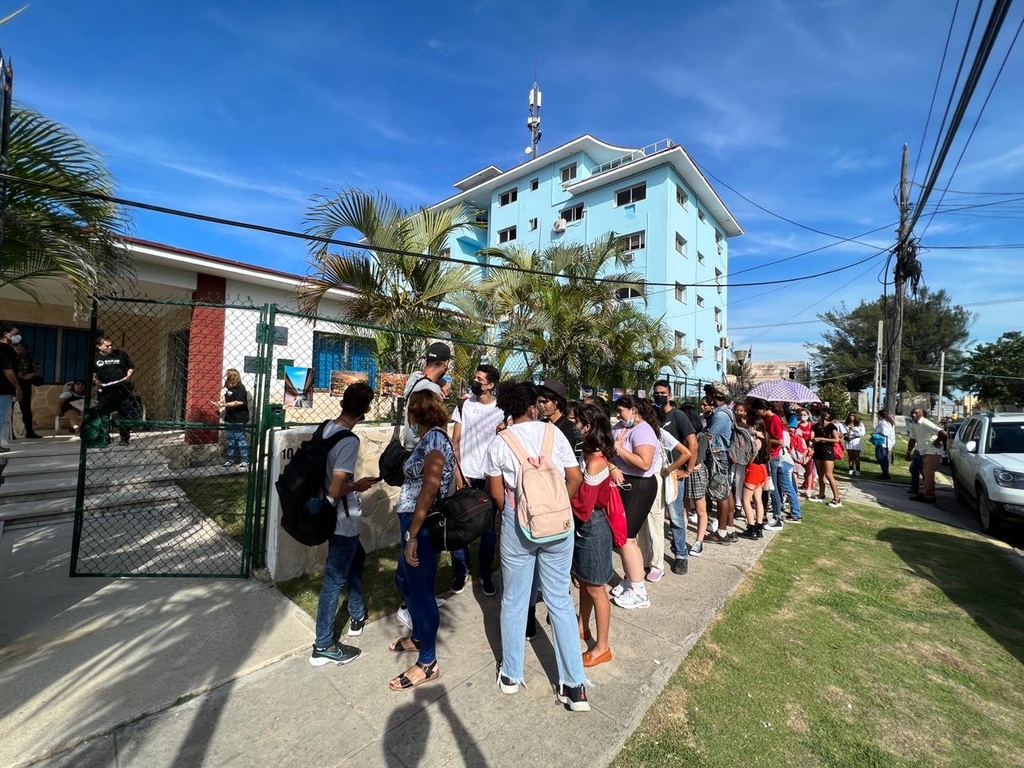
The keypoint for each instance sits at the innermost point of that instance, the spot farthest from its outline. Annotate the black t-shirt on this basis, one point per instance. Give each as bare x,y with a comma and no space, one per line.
571,434
237,414
825,451
677,424
112,366
8,362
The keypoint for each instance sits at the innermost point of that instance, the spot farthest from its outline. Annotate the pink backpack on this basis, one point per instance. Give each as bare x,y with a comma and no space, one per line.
541,500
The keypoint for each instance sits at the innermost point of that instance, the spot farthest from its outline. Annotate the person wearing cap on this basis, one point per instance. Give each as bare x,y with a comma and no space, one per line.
551,405
721,424
439,356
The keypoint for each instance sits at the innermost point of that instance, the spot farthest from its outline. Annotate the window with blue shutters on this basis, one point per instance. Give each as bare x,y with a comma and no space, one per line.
334,352
62,354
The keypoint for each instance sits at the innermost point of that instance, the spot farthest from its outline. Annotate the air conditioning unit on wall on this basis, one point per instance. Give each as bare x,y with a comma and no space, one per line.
559,225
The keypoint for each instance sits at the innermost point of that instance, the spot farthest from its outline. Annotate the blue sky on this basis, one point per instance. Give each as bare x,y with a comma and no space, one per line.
243,110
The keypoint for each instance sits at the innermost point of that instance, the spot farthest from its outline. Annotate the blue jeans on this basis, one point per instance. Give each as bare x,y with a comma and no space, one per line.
345,560
488,540
520,558
782,477
6,406
677,524
916,471
237,441
417,588
882,457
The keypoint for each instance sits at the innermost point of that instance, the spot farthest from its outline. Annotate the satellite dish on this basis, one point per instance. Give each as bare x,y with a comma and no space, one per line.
529,150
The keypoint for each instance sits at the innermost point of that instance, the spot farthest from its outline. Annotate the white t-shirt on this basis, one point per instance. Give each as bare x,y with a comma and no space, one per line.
502,461
342,458
668,443
478,424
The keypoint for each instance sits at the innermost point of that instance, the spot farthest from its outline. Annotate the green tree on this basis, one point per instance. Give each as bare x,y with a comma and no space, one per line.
405,295
838,398
54,235
994,371
931,324
575,326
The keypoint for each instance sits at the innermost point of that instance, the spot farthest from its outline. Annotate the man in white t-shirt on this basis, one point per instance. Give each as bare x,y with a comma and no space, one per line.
476,420
345,553
927,442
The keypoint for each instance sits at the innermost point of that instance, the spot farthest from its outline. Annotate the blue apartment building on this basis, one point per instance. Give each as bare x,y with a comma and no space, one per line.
654,198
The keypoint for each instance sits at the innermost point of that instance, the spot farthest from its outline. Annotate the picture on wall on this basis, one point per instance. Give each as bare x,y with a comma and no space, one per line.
586,392
341,379
298,387
393,384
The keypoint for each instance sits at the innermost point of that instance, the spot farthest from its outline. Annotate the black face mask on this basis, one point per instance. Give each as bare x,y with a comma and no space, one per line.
660,400
476,388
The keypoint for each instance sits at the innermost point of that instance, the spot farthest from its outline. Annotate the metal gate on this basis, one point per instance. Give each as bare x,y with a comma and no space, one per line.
165,502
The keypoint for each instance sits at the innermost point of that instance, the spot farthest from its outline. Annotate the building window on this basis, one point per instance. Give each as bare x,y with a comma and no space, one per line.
681,197
508,196
507,235
624,294
575,213
719,239
700,215
534,185
634,241
680,340
680,244
62,354
718,279
533,225
700,301
445,253
718,354
698,352
718,315
568,173
632,195
700,257
681,292
334,352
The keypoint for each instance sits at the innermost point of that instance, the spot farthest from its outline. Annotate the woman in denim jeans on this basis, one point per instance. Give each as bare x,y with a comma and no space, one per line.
429,472
522,557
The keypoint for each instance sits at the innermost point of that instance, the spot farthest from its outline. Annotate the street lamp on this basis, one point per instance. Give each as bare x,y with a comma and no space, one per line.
741,358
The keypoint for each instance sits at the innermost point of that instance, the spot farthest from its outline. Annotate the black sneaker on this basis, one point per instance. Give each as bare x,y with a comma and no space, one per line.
488,585
336,654
679,566
718,538
574,696
750,532
459,584
531,623
355,627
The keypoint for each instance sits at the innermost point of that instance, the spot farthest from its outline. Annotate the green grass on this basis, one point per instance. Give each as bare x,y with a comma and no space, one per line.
863,638
379,590
222,499
899,468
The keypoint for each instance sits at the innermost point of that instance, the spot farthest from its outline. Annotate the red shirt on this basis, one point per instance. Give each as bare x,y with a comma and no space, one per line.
775,432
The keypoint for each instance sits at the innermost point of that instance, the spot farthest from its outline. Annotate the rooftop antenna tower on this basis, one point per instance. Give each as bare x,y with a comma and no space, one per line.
533,121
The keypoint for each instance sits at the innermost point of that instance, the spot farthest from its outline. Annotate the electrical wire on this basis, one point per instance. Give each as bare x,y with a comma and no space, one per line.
935,90
397,251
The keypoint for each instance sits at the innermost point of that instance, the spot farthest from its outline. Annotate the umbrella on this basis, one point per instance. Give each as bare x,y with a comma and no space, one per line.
784,390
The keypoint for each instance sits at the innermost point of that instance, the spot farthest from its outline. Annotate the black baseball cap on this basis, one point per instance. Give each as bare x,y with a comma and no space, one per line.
439,352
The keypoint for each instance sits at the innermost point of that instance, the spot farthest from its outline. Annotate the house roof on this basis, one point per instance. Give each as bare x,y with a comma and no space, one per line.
487,180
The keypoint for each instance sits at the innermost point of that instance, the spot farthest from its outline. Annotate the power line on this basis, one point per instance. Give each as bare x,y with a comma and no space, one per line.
935,90
397,251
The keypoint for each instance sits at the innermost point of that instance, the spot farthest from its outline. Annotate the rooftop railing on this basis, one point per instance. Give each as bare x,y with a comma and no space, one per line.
632,157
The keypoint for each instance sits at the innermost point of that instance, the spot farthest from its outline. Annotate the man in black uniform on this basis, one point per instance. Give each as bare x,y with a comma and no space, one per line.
112,374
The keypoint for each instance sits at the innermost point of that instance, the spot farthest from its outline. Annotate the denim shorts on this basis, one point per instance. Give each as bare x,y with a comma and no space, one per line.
592,549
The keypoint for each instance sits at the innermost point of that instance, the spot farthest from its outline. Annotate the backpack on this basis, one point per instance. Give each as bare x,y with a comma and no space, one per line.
305,515
719,486
391,465
541,499
742,450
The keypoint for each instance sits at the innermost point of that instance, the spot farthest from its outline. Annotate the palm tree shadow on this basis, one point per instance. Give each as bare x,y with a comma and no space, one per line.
974,574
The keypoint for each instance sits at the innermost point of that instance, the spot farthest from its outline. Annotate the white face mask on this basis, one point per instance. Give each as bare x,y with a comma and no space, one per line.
15,339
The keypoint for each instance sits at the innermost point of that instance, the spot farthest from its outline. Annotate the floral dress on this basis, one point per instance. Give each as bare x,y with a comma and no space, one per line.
434,440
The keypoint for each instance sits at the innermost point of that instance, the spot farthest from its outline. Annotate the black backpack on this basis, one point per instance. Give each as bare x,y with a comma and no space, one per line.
305,514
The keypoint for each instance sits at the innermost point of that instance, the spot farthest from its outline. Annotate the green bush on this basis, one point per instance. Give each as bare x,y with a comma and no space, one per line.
834,393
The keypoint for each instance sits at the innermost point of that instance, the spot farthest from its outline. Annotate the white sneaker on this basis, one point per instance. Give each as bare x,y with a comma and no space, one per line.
835,503
693,518
244,465
852,473
633,598
228,464
619,588
712,524
404,617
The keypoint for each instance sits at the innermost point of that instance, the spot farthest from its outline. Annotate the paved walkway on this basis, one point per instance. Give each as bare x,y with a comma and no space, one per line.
98,673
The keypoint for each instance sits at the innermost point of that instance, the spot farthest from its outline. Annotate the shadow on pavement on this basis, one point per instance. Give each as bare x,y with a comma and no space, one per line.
976,575
405,744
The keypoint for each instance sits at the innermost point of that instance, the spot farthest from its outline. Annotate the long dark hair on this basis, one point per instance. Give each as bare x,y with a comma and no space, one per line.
884,414
757,425
644,409
599,437
691,412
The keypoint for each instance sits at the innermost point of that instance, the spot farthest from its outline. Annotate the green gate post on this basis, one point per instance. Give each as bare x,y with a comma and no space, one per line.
76,536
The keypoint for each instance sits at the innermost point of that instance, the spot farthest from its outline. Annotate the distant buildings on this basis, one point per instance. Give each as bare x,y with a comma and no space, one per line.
654,198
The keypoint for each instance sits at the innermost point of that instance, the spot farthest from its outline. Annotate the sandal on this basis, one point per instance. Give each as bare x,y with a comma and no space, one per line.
403,683
404,645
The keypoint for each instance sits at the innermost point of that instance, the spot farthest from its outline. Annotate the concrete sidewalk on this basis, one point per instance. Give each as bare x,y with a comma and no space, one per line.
175,672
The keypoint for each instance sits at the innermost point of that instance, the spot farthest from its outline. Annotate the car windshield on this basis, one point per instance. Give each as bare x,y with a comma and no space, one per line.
1006,437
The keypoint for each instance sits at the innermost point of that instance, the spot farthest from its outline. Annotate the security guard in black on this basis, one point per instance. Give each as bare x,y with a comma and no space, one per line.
112,373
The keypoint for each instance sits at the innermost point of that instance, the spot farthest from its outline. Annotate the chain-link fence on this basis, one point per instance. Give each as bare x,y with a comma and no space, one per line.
174,478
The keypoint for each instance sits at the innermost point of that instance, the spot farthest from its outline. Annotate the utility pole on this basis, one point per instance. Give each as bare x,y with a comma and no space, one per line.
904,253
876,400
942,380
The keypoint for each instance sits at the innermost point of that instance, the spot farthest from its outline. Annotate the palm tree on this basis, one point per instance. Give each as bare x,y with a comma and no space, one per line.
51,234
402,296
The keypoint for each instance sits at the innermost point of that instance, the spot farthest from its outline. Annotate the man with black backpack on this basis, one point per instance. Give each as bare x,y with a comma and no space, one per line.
345,553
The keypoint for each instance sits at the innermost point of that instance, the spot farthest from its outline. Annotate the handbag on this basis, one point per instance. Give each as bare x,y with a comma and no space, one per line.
838,451
461,517
877,439
617,516
669,484
391,465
